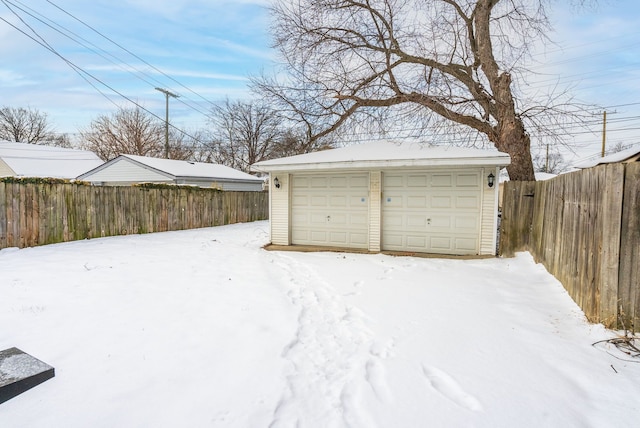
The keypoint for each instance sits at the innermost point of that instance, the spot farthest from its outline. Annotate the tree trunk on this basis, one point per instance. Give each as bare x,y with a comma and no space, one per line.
513,139
510,135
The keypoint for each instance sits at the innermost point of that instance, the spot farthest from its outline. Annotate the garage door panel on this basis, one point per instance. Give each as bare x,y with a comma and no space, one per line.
358,201
468,201
337,219
394,241
318,201
361,181
301,235
467,180
440,223
314,218
335,213
393,200
361,239
359,219
432,212
317,236
417,201
336,201
417,180
441,202
338,182
302,181
318,182
442,243
416,242
441,180
416,221
469,223
465,244
390,223
299,200
390,181
339,238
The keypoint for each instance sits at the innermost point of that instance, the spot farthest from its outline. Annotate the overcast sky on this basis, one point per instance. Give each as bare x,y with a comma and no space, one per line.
205,49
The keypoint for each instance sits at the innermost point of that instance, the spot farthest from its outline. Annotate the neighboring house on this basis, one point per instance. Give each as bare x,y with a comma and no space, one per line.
631,154
126,170
387,196
33,160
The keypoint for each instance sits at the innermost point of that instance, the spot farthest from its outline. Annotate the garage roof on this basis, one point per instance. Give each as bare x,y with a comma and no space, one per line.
385,154
175,169
34,160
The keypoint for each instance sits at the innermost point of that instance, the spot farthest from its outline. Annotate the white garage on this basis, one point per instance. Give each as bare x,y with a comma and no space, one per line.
387,196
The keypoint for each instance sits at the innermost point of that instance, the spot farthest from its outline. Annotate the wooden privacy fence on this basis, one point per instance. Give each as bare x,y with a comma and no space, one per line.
45,213
584,227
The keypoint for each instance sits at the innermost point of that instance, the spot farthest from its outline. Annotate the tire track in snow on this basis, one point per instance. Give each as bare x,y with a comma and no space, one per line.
331,357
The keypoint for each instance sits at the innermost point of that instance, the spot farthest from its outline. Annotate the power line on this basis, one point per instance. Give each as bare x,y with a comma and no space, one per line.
105,54
85,75
129,52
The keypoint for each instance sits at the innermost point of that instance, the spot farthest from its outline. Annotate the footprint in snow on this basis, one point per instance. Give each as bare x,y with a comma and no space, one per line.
448,387
375,377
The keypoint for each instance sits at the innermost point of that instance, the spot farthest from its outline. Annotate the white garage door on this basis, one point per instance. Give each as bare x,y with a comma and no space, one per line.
434,212
330,210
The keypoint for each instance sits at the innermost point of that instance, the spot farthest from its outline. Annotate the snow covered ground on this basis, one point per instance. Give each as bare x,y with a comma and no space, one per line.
204,328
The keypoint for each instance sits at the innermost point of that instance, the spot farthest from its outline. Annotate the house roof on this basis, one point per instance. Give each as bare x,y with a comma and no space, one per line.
179,169
540,176
620,156
385,154
33,160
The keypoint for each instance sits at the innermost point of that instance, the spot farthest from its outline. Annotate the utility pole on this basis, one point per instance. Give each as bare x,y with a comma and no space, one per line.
166,120
546,165
604,131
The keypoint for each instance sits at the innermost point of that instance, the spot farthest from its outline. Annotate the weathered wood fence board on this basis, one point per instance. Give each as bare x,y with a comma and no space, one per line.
629,282
585,228
34,214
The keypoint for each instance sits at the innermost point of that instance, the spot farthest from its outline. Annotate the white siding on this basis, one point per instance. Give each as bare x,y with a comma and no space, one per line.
5,171
226,185
488,233
279,209
375,209
126,172
233,186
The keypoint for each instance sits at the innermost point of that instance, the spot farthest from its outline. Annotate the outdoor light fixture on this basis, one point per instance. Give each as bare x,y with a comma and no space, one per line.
276,183
490,179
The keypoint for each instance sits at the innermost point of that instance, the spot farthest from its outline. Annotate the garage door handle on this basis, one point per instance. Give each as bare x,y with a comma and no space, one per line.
428,221
328,218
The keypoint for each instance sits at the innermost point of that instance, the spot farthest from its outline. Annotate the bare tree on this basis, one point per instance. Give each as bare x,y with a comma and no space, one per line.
424,64
127,131
24,125
244,133
550,162
293,142
58,140
618,147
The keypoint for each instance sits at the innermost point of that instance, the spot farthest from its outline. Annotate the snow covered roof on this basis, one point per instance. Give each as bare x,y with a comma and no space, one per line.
385,154
540,176
620,156
33,160
182,169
